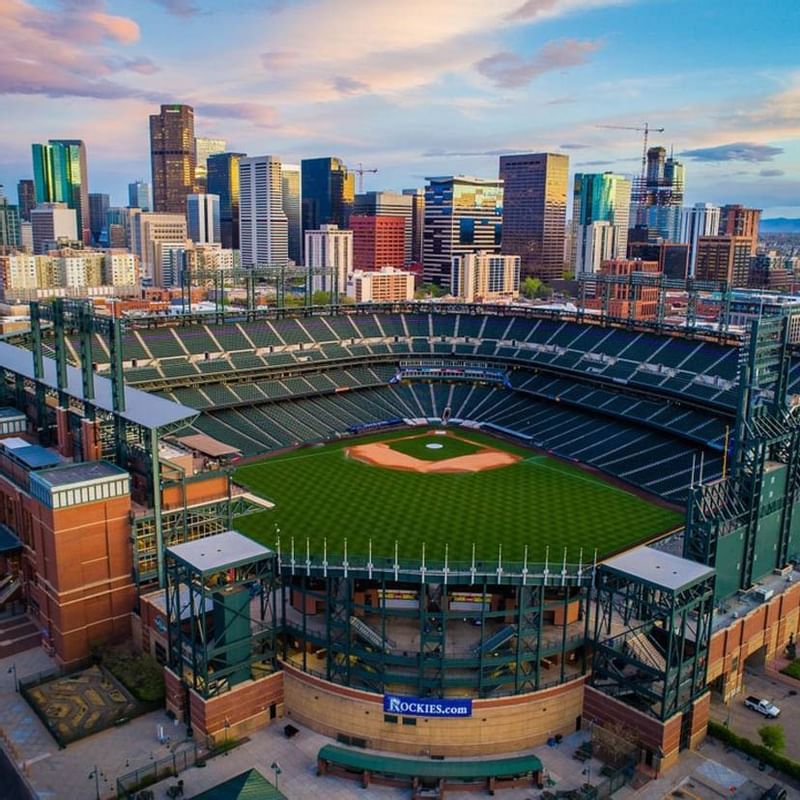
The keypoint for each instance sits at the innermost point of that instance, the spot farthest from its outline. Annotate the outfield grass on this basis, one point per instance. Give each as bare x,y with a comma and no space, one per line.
322,494
448,447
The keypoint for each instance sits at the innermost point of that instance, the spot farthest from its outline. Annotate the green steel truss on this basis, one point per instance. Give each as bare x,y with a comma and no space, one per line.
651,642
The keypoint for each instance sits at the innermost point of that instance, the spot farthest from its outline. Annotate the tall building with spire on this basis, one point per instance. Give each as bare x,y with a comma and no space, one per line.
172,157
60,175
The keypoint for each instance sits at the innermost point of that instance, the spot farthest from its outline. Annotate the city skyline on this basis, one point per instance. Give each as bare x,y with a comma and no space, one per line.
444,93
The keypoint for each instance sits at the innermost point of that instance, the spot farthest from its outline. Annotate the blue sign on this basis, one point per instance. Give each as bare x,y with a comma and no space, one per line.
427,706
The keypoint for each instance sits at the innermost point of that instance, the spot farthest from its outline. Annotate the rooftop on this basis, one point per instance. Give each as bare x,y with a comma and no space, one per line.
221,551
33,456
81,473
659,568
8,412
250,785
147,410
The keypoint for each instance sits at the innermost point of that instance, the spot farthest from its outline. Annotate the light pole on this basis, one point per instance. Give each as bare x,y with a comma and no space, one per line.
95,773
276,768
13,668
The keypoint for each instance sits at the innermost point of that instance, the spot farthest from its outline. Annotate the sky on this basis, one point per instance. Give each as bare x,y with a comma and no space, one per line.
414,88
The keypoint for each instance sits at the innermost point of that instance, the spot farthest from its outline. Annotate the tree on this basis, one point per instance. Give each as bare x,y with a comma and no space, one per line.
428,290
320,298
529,288
773,737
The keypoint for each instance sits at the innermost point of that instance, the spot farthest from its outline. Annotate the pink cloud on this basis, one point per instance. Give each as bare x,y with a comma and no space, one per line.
65,51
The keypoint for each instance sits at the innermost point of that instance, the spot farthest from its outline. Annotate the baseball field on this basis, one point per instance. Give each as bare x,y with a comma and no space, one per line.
454,487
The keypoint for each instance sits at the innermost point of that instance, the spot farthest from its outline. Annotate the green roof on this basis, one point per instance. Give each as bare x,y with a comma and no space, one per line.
427,768
250,785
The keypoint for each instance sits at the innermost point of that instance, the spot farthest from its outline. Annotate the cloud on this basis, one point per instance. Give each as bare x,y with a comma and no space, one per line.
256,113
279,59
771,173
736,151
598,163
66,51
532,9
345,85
469,153
571,146
178,8
510,70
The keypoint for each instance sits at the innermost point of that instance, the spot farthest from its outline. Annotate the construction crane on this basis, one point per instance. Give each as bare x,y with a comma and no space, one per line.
644,129
360,169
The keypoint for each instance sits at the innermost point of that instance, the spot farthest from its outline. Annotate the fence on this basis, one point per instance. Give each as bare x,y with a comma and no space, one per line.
129,784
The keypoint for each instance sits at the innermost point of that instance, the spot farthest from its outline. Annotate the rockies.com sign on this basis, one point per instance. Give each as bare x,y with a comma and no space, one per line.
426,707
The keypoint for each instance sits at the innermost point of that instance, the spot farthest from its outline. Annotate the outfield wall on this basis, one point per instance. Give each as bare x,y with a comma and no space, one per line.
500,725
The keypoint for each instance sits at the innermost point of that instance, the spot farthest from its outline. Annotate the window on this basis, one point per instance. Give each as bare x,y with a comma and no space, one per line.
409,721
390,718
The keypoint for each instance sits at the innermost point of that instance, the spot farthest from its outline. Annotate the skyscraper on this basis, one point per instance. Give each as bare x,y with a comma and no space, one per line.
172,157
140,195
658,204
535,211
462,215
723,258
736,220
150,236
26,197
51,222
390,204
10,236
601,210
702,219
223,180
98,211
378,241
290,185
329,249
202,218
328,191
263,229
60,176
203,148
417,222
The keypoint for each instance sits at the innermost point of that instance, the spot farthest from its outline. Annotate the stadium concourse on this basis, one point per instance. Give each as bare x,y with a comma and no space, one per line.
616,566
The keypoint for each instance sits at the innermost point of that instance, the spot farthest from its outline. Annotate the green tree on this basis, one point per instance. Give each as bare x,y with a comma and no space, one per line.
320,298
529,288
428,290
773,737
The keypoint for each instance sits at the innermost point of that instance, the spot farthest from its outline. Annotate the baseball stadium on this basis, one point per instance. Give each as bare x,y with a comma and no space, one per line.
533,520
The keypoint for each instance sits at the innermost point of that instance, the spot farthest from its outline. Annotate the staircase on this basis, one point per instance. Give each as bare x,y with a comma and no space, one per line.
18,633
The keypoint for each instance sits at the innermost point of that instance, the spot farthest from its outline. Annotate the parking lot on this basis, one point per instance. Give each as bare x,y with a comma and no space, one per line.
783,691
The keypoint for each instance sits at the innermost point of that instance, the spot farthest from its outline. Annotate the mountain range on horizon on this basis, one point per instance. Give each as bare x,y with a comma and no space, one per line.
780,225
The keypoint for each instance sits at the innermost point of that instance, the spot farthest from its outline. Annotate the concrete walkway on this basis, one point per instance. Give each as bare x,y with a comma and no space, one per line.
59,774
298,780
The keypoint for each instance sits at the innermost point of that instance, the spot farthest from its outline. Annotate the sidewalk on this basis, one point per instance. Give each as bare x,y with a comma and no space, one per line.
68,773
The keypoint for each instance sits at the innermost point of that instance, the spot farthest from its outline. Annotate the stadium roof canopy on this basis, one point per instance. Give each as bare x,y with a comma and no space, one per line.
146,410
658,568
219,552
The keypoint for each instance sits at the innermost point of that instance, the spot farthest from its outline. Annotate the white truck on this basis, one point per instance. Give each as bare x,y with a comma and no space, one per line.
763,707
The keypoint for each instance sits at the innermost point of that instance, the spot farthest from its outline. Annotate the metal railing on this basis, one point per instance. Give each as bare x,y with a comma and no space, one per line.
129,784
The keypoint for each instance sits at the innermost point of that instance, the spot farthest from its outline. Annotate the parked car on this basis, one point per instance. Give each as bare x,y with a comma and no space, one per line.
776,792
763,707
